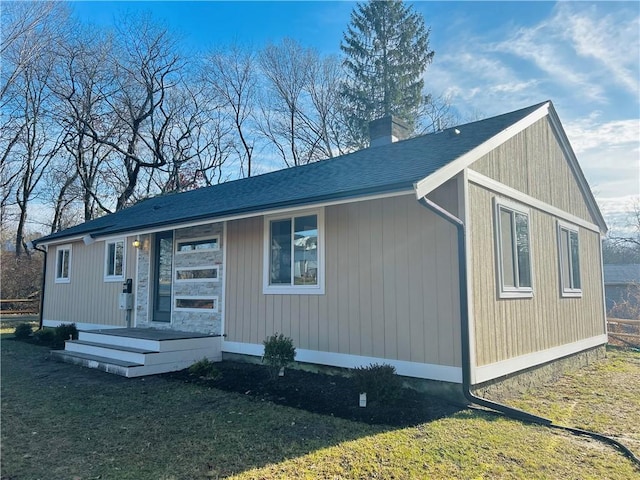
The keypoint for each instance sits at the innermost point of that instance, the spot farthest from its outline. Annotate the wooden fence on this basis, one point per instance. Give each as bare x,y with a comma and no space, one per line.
19,306
624,332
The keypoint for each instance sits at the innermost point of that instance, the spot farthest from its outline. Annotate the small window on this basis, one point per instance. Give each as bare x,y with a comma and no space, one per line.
513,248
114,260
293,254
197,274
569,256
198,245
63,264
196,304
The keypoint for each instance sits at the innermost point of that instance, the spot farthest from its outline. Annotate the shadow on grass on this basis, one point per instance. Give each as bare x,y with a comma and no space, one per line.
169,426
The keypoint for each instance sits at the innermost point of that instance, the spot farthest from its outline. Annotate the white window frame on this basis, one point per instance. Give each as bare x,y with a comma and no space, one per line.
68,248
503,290
570,290
215,309
115,278
203,280
318,289
211,238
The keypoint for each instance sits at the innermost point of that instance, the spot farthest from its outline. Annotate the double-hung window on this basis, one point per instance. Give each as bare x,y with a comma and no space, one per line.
513,250
63,264
294,254
114,260
569,257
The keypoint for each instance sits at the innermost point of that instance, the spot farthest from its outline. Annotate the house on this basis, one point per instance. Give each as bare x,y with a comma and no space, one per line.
618,279
468,255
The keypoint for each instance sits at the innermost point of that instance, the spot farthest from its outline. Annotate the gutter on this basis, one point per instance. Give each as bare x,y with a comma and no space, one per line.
495,407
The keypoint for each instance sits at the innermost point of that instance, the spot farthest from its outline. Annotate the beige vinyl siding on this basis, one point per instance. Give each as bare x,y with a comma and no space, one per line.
87,298
391,286
533,163
507,328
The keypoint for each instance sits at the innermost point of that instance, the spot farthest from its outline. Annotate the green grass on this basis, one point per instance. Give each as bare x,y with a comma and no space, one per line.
65,422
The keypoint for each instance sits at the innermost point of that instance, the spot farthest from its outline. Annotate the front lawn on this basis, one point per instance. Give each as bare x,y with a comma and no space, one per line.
61,421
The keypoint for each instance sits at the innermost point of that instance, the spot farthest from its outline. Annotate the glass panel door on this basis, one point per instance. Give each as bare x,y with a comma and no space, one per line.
162,285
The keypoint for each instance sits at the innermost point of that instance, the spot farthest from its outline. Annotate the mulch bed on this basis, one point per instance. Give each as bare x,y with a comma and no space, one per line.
320,393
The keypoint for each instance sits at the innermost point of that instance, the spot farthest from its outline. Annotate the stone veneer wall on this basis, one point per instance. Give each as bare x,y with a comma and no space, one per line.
204,321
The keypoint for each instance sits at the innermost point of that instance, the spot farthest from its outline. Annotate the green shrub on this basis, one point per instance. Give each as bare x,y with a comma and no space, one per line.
278,352
66,331
23,331
204,368
46,336
379,381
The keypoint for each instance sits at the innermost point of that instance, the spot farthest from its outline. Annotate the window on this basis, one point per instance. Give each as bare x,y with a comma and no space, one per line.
114,260
197,274
196,304
569,257
294,254
513,250
63,264
198,245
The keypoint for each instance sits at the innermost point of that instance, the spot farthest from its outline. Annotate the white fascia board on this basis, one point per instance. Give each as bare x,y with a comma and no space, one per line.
443,373
437,178
257,213
512,365
58,241
502,189
567,150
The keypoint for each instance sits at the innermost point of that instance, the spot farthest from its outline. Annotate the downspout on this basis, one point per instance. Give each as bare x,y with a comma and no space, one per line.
496,407
44,282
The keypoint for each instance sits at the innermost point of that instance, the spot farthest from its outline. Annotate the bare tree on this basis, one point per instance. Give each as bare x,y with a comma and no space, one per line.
26,29
192,138
285,68
30,140
83,82
146,68
232,77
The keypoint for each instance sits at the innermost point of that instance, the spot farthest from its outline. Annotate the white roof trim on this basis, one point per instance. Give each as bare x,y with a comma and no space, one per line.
213,219
437,178
592,205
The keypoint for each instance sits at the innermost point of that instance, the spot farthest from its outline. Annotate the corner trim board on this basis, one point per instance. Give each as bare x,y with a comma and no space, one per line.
428,371
505,367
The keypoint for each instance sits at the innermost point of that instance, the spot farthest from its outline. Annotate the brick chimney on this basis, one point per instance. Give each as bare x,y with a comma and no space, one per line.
387,130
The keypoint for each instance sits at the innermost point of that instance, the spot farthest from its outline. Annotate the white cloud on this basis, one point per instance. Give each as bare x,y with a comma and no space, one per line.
611,40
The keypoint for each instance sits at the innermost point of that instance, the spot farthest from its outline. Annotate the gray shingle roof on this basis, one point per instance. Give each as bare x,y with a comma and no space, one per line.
621,274
382,169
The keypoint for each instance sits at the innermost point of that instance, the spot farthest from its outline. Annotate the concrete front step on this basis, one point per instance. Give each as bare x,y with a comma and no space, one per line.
137,352
111,365
139,356
150,344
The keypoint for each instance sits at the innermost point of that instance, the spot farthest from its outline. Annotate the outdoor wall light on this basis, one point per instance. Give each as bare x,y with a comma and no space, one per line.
136,243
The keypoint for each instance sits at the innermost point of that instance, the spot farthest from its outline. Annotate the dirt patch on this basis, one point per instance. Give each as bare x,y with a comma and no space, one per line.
320,393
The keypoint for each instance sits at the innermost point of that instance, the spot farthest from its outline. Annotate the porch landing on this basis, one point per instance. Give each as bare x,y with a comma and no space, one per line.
134,352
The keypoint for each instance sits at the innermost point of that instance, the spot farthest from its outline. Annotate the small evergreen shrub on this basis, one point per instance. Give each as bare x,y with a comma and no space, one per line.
278,352
66,331
46,336
23,331
204,368
378,381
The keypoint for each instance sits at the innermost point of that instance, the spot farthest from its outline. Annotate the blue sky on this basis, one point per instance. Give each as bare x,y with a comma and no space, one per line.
491,58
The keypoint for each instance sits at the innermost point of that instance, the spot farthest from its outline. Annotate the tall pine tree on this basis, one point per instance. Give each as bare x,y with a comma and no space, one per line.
386,49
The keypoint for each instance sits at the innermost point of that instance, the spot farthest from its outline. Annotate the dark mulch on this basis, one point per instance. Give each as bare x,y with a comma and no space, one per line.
320,393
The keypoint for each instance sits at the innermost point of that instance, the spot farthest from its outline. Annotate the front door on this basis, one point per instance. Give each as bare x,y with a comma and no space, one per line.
162,284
